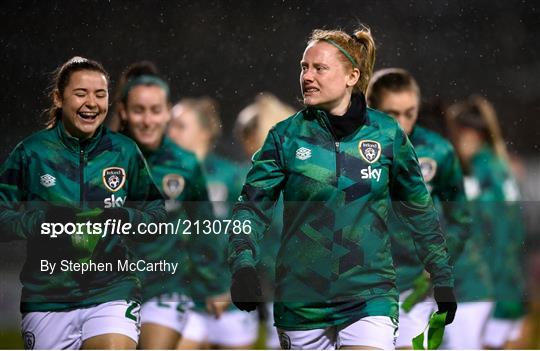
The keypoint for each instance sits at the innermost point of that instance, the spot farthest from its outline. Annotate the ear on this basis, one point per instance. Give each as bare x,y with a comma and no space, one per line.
169,112
57,98
122,112
353,77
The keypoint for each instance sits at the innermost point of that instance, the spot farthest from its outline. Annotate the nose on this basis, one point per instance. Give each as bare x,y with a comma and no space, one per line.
307,75
91,100
147,117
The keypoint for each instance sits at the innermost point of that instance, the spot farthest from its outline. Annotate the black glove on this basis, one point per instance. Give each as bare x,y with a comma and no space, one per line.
446,302
60,214
246,289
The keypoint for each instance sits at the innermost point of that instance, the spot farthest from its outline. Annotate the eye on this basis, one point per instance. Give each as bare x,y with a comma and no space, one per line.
409,115
137,109
101,95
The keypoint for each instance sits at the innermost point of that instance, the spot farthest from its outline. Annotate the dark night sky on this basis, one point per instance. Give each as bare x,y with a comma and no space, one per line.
233,49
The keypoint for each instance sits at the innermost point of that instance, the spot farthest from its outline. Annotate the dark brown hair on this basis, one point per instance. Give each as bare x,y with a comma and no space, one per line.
60,80
389,80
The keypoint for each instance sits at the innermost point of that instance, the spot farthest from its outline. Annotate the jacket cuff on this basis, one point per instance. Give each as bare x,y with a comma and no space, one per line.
440,282
243,259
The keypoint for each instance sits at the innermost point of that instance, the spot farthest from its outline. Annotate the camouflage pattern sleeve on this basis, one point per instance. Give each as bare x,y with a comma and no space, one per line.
456,212
145,201
261,190
501,222
16,223
414,206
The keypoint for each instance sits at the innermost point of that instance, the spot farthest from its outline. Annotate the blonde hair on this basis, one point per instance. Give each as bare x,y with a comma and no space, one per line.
360,46
258,118
207,111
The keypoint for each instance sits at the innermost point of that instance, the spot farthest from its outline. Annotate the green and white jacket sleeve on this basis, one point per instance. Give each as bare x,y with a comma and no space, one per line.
16,222
261,190
414,206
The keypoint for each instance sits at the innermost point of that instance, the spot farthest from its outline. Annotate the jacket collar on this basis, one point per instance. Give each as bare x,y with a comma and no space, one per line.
76,144
357,110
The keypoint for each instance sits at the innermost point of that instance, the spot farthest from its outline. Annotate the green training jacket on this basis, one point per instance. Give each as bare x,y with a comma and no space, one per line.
498,227
334,265
179,176
51,167
444,179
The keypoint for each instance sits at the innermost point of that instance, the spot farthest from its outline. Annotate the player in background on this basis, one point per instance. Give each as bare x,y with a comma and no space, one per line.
494,195
395,92
196,126
251,128
64,174
338,165
143,112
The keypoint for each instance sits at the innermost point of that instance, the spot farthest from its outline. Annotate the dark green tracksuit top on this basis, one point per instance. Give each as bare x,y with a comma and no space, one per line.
51,167
335,265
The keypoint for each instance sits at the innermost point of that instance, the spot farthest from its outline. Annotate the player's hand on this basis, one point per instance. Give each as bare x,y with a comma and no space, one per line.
446,302
246,289
216,305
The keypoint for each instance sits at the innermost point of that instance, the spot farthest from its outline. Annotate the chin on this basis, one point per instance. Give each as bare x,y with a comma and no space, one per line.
309,102
87,130
148,142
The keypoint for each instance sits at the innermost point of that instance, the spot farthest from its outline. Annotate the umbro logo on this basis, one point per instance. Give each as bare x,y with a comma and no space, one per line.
303,153
47,180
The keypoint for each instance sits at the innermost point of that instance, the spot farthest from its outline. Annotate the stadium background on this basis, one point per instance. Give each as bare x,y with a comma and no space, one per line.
232,50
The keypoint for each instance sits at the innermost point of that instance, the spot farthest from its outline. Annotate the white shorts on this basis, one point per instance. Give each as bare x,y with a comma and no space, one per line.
272,337
375,331
68,330
233,328
465,332
414,322
168,310
499,331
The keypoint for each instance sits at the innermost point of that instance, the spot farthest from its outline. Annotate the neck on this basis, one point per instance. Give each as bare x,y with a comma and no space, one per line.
342,107
75,133
201,152
151,147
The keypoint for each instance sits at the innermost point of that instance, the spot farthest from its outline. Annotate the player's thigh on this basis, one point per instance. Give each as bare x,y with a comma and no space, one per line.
112,324
373,332
112,341
51,330
314,339
155,336
195,333
233,330
162,322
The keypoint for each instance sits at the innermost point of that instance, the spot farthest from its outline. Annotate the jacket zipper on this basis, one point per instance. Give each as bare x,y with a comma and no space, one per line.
81,175
338,163
336,146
